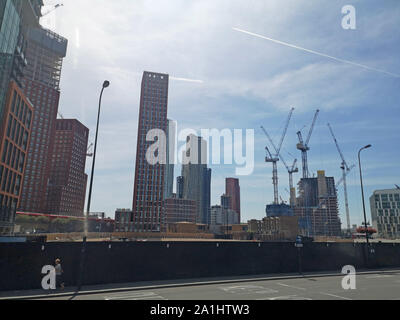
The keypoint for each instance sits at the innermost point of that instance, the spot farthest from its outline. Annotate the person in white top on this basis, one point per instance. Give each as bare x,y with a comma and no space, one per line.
59,273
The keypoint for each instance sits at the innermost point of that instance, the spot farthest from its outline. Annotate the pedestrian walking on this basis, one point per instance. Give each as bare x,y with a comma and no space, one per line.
59,274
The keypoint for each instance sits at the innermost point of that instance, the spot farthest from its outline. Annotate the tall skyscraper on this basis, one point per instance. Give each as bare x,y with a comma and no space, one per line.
197,177
67,181
45,54
149,187
232,189
17,17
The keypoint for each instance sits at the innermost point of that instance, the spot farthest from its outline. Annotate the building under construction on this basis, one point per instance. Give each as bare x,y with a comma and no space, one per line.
45,53
317,206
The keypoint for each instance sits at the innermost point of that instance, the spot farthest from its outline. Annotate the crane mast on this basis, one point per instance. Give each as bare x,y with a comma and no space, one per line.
275,158
304,148
345,171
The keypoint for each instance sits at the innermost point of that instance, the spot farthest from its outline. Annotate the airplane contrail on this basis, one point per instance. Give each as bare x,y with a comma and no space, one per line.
317,53
185,79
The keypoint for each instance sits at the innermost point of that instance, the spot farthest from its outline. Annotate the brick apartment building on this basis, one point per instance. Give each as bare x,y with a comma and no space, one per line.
45,53
150,180
232,189
67,180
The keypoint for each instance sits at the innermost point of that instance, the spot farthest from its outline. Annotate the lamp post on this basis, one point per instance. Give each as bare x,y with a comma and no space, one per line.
362,194
106,84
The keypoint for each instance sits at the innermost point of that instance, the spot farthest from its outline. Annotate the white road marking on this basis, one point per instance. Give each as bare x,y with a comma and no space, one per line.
247,289
289,286
379,276
290,297
334,295
136,296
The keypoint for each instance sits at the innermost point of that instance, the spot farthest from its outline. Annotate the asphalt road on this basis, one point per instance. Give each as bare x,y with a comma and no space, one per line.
378,286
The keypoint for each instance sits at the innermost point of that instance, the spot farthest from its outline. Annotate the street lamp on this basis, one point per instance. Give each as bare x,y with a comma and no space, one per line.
106,84
362,194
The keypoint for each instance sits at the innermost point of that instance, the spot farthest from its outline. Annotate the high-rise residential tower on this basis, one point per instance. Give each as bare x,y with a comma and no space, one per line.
197,177
149,187
67,180
232,189
45,54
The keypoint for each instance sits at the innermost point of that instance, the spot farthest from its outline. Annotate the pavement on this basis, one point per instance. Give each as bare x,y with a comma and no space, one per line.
370,285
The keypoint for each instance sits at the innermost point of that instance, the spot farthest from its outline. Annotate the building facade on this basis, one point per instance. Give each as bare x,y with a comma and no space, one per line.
14,141
179,210
67,180
317,206
149,186
17,17
45,53
232,189
123,220
385,212
197,177
170,153
221,219
274,228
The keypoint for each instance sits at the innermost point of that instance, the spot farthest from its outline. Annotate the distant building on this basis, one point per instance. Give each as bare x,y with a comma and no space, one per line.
221,218
179,187
279,210
232,189
197,177
124,220
179,210
150,179
169,167
67,181
274,228
385,212
188,228
317,206
226,201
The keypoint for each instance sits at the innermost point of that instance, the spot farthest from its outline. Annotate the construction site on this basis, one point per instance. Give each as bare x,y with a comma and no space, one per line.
315,202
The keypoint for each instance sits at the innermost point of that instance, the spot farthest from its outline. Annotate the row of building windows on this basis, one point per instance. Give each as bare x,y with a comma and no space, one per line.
13,157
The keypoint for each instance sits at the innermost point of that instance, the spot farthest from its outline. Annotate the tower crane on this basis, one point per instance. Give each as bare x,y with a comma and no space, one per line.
345,171
303,146
290,170
275,158
52,9
339,182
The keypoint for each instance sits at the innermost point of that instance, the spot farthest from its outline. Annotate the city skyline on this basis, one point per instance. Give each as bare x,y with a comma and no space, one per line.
265,84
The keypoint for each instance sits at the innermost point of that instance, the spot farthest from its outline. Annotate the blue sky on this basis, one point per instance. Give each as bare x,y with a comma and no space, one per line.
246,82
